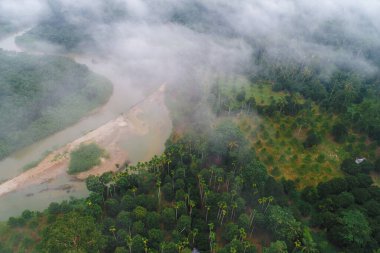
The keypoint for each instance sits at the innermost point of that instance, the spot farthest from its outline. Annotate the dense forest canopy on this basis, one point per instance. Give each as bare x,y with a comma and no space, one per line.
196,197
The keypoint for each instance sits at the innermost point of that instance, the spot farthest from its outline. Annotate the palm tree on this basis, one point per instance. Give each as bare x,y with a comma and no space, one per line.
129,241
134,190
262,201
207,210
211,176
234,206
145,241
212,237
112,229
158,184
224,212
243,234
232,145
201,186
220,180
206,194
251,219
177,205
186,197
172,176
220,205
181,245
270,200
191,205
194,233
246,245
254,187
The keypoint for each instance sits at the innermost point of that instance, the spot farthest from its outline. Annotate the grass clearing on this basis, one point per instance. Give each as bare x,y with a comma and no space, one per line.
278,139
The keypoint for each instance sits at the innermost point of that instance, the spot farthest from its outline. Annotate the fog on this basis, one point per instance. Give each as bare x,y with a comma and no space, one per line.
183,41
190,44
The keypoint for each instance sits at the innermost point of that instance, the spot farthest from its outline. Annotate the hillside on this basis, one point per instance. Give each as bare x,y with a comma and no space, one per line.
214,199
40,95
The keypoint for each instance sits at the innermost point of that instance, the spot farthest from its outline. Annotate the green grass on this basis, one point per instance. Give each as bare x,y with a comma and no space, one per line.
278,143
85,157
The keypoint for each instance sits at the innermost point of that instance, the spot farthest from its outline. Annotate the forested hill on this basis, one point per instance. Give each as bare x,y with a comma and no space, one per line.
61,28
40,95
209,193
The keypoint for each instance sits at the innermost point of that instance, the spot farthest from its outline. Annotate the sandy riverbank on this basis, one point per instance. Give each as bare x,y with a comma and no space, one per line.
108,136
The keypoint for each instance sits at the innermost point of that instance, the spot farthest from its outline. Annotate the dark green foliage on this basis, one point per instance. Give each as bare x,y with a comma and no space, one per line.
230,232
232,201
340,132
352,230
155,236
351,167
334,186
312,139
85,157
344,200
377,165
346,209
168,218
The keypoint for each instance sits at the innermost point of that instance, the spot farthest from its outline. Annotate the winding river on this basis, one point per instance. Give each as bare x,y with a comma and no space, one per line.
125,95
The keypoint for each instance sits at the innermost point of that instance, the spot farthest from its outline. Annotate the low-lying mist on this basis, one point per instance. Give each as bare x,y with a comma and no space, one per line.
191,42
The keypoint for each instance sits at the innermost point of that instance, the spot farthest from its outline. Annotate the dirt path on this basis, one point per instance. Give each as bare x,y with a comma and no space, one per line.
107,136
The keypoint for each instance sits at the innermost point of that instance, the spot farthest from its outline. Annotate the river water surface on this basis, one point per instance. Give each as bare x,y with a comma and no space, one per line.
124,96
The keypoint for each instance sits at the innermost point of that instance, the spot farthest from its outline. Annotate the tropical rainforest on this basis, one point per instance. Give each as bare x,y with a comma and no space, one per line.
237,186
281,155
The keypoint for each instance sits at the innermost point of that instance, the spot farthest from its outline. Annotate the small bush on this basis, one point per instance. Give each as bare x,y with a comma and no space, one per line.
85,157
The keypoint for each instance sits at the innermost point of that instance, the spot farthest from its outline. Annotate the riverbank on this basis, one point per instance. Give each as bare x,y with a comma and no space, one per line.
111,136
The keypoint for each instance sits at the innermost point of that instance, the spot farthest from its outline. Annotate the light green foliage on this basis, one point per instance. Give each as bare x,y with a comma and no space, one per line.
72,233
283,225
140,213
276,247
353,229
85,157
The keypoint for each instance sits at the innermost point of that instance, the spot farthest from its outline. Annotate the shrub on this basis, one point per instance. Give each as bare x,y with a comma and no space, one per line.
85,157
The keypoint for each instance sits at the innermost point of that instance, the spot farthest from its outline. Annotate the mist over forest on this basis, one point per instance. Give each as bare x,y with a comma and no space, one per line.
274,141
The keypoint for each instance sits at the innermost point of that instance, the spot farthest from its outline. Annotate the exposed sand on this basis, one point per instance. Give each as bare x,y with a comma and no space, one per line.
107,136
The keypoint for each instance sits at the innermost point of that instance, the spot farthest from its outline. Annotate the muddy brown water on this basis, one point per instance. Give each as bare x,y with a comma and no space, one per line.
139,148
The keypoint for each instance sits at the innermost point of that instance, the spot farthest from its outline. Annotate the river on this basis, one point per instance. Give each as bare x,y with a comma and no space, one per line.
124,96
